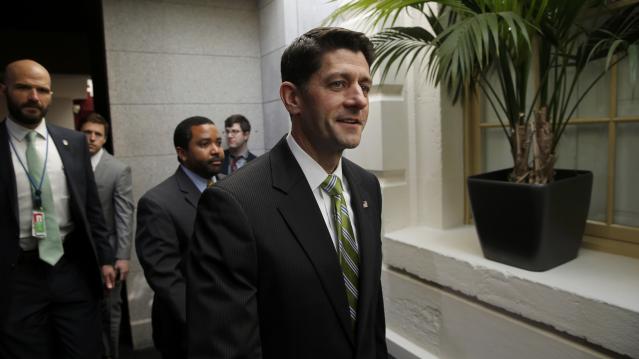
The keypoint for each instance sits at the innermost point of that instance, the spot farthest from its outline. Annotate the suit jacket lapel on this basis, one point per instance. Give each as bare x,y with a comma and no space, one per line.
299,210
7,175
367,241
72,169
65,151
101,167
191,193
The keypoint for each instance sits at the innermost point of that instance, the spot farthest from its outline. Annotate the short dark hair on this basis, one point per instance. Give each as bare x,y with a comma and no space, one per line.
302,58
182,135
245,125
95,117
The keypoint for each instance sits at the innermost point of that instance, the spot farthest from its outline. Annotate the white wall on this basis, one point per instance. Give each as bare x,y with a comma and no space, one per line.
281,21
404,124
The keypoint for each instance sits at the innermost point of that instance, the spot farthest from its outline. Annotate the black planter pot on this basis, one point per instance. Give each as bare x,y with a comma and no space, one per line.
534,227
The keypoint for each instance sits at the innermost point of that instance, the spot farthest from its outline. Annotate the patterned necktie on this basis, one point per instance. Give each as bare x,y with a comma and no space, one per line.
347,249
234,163
50,248
210,183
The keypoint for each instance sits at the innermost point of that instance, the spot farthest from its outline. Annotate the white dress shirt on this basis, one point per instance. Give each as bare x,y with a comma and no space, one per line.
57,179
95,159
315,175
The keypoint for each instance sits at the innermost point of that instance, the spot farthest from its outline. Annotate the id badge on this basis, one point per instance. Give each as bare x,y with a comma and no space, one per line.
38,226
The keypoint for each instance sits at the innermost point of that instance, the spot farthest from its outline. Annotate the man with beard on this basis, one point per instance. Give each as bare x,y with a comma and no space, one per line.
165,218
54,238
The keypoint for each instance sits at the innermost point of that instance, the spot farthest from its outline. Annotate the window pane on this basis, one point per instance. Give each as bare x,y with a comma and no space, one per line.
487,113
585,147
496,150
597,101
626,210
627,101
582,147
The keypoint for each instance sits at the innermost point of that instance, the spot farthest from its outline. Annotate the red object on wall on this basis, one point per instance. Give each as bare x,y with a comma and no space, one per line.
81,109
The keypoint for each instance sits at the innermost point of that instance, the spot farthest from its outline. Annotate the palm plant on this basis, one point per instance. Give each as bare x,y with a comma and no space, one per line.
471,42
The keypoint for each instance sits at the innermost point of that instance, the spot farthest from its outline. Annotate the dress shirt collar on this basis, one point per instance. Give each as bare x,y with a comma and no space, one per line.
314,173
200,182
18,132
95,159
244,154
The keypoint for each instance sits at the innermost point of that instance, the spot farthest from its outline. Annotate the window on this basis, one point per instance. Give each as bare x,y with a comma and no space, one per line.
602,136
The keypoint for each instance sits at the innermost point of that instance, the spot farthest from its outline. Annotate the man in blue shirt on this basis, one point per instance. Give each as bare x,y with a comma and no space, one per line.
165,218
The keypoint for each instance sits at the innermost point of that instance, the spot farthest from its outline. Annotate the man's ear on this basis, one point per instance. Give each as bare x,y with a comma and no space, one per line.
181,153
3,88
291,97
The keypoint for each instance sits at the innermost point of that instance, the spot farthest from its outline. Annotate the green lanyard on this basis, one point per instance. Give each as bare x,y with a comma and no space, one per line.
37,188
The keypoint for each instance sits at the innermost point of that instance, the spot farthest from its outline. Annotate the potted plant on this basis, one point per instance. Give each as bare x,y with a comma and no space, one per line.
531,215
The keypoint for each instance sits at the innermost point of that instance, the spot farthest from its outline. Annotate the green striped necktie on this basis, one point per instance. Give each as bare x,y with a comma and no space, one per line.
50,248
346,245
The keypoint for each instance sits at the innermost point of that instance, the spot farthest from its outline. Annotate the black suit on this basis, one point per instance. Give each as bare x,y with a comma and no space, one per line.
264,280
224,171
86,248
164,226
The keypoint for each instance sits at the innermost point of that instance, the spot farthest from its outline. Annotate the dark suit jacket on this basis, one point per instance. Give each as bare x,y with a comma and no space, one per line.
264,279
164,226
224,171
89,244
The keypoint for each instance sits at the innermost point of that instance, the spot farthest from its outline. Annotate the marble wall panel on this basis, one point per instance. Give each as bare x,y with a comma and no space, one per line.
272,24
276,123
271,76
143,78
163,27
149,171
148,129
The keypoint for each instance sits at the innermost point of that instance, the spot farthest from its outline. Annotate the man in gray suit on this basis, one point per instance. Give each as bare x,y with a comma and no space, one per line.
113,179
165,223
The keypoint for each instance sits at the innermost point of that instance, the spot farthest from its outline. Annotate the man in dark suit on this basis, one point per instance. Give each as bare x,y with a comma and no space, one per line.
237,129
165,223
285,260
54,238
115,189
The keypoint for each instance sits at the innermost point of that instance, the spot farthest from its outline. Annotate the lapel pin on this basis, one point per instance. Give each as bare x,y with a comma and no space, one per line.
65,142
365,204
